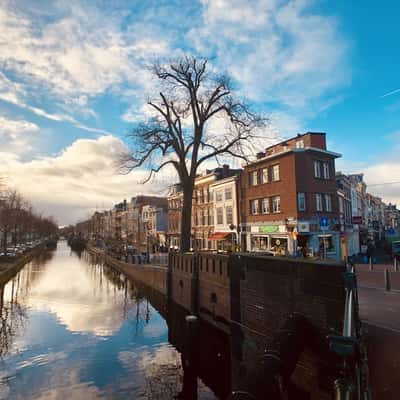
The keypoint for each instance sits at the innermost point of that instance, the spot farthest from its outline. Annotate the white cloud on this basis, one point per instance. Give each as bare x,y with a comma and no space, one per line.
381,172
17,136
81,53
274,48
83,176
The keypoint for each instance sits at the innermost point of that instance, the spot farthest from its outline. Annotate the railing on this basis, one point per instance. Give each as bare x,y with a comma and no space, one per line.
353,382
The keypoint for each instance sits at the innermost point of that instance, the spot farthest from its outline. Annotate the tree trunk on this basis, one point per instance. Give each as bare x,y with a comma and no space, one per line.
186,219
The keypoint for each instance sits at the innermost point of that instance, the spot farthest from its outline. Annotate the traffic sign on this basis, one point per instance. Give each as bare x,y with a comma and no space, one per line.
323,222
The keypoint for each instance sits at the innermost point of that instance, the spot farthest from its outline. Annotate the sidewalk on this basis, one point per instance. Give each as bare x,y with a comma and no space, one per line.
380,313
376,277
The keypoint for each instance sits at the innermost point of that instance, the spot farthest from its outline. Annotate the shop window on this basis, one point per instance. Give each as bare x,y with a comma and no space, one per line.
254,207
318,202
229,216
265,205
325,245
220,216
228,194
301,200
259,243
279,246
276,204
275,173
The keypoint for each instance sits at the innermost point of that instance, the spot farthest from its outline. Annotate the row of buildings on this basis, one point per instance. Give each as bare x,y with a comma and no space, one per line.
289,200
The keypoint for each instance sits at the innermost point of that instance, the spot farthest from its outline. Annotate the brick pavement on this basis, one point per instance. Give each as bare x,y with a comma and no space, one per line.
380,313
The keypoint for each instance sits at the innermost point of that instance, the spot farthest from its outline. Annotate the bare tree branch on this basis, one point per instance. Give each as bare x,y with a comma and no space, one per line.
180,133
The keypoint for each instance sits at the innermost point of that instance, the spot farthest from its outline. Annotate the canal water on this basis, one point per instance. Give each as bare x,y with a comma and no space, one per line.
73,328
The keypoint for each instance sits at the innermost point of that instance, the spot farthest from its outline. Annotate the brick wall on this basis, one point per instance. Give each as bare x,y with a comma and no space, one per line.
264,291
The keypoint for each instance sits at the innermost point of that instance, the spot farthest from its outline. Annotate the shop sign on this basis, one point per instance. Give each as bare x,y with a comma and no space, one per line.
358,220
254,229
282,228
269,228
303,227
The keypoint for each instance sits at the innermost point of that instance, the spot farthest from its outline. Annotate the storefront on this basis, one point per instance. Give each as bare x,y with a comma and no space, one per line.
270,238
314,241
223,241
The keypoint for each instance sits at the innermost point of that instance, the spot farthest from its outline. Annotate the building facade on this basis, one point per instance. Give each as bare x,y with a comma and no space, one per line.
289,199
225,213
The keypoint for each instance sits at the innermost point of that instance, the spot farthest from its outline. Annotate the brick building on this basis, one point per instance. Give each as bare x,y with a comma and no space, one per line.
138,227
350,238
226,212
289,199
175,200
203,217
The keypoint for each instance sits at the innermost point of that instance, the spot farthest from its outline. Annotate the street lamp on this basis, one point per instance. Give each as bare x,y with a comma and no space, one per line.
232,227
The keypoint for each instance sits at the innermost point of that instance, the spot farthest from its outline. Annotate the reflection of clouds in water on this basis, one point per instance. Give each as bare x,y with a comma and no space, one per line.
81,296
42,359
65,384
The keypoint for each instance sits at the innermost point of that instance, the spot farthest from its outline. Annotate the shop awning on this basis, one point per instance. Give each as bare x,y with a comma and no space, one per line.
220,236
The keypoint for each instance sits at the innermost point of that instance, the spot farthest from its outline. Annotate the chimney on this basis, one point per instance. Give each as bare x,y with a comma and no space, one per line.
225,170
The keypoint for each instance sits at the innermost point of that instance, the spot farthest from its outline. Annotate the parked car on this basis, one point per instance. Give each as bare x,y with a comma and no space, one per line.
11,253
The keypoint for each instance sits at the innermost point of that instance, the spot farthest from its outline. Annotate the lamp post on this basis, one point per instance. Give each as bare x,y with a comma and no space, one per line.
232,227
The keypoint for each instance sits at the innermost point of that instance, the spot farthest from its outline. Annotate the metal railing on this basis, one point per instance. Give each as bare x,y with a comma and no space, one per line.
353,382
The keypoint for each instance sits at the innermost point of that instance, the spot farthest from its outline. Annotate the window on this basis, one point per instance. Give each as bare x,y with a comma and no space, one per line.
253,207
218,195
228,194
275,173
220,216
326,170
210,217
254,178
317,169
328,202
264,175
301,201
265,205
229,216
276,204
205,195
341,206
300,144
318,201
205,216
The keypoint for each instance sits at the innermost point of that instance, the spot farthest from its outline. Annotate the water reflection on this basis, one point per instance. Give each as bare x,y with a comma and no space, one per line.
73,328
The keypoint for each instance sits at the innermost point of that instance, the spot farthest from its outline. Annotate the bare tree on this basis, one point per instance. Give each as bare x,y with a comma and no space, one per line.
180,131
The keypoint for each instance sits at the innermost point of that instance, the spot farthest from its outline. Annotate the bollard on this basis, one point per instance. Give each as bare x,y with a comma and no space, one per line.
190,358
387,279
395,263
371,264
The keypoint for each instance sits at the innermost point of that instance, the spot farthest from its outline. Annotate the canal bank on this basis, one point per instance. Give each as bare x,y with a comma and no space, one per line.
154,276
9,269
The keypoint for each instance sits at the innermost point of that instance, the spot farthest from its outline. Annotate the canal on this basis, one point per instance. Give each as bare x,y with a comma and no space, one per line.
73,328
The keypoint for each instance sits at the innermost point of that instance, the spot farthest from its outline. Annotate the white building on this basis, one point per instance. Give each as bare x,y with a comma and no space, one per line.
225,211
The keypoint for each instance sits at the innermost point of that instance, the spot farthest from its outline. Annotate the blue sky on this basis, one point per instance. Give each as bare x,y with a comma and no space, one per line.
73,81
